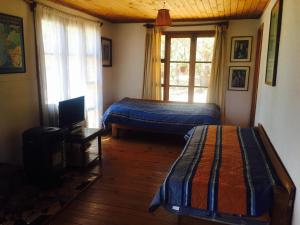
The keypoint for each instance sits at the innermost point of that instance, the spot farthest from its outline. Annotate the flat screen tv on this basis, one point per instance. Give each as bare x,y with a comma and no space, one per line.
71,112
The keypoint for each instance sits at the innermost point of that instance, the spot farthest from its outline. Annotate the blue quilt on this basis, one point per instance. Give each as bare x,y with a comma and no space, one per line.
159,116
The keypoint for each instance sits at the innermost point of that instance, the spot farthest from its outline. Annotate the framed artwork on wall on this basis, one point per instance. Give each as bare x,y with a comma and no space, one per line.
106,52
241,49
12,53
238,78
273,46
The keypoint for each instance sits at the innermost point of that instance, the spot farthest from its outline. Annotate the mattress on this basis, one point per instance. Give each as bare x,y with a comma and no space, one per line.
159,116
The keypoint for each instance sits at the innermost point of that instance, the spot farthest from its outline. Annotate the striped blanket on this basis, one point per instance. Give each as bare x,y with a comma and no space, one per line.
159,116
223,170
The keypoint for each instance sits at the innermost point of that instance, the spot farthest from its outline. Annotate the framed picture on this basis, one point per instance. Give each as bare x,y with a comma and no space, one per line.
238,78
241,49
273,46
12,54
106,51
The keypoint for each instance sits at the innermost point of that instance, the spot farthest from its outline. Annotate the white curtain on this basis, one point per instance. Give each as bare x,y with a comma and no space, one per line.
69,57
152,80
217,82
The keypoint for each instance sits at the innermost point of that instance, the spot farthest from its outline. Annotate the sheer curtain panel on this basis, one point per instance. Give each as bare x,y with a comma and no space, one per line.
69,55
217,82
152,80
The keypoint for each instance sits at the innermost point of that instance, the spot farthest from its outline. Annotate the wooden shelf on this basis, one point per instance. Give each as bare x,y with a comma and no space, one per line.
83,147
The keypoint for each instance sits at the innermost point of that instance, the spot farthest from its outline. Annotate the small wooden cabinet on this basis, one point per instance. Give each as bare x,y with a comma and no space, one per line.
83,147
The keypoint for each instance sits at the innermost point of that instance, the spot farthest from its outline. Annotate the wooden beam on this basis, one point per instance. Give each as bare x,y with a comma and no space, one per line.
224,23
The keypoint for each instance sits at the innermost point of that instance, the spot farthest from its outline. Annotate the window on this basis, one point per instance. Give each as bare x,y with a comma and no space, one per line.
186,66
71,64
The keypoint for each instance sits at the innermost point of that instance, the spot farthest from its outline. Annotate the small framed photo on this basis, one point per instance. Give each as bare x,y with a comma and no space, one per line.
238,78
241,49
12,53
106,52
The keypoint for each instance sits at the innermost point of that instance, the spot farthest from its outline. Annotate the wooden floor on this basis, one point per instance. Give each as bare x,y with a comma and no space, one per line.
133,168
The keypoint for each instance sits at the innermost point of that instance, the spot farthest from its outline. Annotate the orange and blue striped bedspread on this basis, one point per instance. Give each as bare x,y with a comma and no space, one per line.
223,170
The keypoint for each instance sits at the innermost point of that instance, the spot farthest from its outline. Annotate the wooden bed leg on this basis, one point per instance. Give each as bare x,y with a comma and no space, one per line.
114,131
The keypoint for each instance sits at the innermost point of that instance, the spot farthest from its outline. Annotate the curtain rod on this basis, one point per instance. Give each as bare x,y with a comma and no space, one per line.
33,4
225,23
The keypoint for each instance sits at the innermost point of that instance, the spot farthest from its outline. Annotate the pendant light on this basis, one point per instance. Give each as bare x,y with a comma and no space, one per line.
163,17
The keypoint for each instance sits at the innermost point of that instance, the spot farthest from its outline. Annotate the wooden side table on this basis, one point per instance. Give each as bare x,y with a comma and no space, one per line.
82,139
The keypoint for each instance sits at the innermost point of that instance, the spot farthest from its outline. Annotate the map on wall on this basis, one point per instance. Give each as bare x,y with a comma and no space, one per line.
12,57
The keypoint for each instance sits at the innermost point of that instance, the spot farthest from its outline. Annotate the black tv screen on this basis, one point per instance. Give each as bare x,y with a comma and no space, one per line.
71,112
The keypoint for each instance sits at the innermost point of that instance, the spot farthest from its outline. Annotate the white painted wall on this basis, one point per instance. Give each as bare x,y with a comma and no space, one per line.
18,92
238,103
128,60
278,108
128,57
108,76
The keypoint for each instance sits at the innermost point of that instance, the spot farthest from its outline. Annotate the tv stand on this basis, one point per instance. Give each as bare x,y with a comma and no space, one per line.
80,152
75,129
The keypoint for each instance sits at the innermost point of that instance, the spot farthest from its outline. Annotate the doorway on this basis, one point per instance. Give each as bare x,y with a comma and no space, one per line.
256,73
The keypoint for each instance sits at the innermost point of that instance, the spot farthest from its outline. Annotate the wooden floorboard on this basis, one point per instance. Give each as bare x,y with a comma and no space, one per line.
133,167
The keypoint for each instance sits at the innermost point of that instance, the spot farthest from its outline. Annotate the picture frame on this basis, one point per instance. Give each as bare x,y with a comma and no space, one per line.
12,52
273,45
238,78
241,49
106,44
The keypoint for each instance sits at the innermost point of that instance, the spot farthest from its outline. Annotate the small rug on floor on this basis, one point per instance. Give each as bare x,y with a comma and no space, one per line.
33,206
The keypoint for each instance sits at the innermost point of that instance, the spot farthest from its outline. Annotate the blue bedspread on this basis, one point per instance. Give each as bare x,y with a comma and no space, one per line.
158,116
222,174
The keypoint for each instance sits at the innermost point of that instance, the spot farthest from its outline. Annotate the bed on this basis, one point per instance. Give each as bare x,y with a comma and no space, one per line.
159,116
227,175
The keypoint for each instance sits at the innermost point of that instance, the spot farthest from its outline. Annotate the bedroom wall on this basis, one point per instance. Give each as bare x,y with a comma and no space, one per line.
108,75
278,107
128,57
18,92
238,103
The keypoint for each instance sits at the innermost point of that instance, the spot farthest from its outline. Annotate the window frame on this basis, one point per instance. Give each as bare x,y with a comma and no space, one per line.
192,61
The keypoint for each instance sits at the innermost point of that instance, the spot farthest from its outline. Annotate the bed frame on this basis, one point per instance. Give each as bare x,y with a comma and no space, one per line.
282,210
115,129
284,197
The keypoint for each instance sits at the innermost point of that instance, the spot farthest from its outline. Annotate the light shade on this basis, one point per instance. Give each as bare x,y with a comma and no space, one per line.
163,18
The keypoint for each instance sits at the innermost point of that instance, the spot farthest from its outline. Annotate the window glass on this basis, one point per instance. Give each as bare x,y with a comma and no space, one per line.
178,94
204,49
162,46
200,95
202,74
162,73
179,74
180,49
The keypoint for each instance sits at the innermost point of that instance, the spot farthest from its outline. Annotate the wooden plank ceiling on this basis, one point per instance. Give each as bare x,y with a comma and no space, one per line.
180,10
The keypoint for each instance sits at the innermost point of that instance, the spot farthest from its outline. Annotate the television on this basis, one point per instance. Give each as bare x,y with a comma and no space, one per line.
71,112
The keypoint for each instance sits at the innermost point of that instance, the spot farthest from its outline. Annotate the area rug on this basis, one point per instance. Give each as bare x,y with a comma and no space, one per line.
33,206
